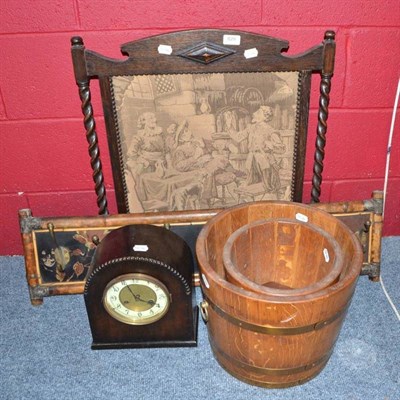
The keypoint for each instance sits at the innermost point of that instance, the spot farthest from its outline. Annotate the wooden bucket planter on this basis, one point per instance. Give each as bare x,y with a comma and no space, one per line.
266,339
282,257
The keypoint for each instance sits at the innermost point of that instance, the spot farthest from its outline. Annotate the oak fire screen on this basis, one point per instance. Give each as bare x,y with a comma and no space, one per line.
204,119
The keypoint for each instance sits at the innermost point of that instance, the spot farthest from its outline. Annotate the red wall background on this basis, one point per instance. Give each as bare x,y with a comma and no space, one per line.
44,163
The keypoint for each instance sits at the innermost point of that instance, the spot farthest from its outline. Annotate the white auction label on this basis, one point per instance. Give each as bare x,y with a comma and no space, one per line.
140,247
205,280
301,217
233,40
165,49
251,53
326,255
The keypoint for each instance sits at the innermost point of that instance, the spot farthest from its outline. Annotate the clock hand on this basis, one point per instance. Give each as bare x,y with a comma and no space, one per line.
137,298
151,302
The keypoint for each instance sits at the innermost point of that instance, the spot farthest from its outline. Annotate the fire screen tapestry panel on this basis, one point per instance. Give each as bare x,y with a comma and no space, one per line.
205,141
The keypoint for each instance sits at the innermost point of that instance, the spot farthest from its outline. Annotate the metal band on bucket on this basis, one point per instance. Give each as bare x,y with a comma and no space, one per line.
273,330
224,360
269,371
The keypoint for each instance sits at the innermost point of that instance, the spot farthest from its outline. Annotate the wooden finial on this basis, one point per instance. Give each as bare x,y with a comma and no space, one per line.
329,35
76,41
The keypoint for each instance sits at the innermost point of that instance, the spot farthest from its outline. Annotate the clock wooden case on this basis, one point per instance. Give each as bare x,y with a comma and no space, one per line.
139,290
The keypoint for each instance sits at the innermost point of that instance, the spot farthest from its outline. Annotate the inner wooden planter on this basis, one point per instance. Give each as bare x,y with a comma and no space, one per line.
282,257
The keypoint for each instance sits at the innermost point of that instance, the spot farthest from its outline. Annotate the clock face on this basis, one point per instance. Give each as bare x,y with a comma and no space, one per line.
136,299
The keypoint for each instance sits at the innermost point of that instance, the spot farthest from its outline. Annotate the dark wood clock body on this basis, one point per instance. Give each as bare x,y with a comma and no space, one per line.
156,252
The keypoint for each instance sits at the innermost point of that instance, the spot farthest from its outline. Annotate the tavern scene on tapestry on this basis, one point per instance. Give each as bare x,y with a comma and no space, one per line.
206,141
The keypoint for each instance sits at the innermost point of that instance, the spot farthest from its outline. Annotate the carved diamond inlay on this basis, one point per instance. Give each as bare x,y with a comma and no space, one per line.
206,52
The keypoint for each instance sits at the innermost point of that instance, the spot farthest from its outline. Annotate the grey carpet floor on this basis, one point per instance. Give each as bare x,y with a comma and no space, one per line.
45,352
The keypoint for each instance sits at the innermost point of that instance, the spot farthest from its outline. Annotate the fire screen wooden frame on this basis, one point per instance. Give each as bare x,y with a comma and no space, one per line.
204,119
59,250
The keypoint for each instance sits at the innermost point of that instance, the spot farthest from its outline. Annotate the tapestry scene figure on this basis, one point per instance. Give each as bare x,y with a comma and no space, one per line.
206,140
